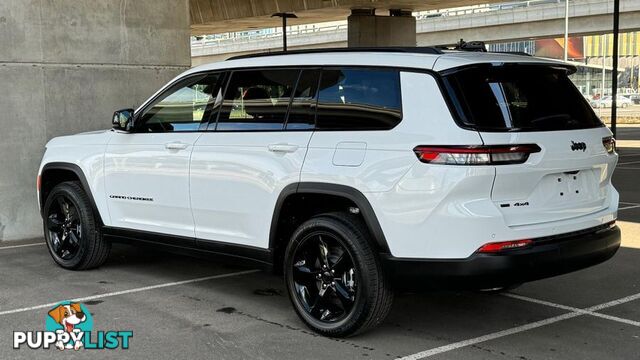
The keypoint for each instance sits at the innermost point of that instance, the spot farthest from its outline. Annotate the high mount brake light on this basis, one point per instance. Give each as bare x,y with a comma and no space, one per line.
475,154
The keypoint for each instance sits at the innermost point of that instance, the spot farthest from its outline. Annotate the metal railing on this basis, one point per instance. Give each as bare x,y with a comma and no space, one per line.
228,39
467,10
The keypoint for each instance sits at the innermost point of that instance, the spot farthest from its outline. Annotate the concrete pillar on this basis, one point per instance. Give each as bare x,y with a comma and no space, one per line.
366,29
65,66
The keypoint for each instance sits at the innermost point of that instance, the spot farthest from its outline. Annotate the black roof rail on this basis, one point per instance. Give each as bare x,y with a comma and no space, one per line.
521,53
390,49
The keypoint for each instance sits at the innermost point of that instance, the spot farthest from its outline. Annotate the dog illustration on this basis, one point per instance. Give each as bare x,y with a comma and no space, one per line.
68,316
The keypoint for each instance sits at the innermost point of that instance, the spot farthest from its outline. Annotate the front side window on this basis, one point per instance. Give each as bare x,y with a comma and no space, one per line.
257,100
184,107
359,99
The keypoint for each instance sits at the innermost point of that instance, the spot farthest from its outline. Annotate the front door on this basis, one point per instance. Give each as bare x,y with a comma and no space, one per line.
147,170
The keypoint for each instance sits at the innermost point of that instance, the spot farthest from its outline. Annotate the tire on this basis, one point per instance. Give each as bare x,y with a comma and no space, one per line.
74,237
360,286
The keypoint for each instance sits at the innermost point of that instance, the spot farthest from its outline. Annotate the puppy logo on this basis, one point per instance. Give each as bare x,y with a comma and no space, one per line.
68,318
69,325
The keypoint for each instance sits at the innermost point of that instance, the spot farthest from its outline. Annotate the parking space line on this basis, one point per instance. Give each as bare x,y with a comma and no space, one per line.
629,162
130,291
492,336
626,168
522,328
614,302
19,246
629,207
574,309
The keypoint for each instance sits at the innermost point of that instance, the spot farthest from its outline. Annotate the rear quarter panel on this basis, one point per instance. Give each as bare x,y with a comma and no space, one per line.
402,191
389,154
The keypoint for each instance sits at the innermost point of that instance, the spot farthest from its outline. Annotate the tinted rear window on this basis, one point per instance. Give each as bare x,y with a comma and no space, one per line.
518,98
359,99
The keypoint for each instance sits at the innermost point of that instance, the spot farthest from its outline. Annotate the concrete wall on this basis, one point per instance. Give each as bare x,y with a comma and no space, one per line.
65,66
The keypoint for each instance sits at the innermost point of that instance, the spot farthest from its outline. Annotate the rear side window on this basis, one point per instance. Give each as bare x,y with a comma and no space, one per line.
518,98
257,100
359,99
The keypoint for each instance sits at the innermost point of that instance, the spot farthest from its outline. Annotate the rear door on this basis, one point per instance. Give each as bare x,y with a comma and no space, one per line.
250,154
533,104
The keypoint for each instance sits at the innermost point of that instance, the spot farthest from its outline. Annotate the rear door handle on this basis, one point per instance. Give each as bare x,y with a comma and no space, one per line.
175,146
284,148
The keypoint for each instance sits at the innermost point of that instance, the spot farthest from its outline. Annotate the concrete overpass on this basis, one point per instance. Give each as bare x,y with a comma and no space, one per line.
218,16
586,17
491,23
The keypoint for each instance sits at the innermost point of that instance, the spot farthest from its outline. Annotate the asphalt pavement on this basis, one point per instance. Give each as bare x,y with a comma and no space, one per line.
181,307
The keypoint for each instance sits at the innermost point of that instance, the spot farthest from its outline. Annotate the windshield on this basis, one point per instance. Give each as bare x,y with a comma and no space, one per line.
518,98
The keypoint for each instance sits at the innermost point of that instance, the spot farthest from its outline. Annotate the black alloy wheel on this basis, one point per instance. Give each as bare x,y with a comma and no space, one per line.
324,277
334,276
72,230
65,227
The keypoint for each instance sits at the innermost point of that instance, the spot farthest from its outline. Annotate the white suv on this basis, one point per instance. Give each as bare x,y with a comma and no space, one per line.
354,171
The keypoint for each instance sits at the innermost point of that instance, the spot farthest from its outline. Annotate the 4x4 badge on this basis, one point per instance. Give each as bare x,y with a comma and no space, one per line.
575,146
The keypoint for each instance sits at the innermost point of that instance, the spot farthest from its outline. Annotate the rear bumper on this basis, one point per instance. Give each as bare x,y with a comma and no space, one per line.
548,256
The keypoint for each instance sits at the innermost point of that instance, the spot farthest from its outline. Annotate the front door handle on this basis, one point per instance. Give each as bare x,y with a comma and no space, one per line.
284,148
175,146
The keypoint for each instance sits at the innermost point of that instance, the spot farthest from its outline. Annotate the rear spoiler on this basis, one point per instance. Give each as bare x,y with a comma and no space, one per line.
568,68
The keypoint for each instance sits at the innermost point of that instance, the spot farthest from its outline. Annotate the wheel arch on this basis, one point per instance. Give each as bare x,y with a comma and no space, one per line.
54,173
344,194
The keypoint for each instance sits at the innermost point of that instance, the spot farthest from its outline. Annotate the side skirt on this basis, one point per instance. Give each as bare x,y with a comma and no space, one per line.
236,254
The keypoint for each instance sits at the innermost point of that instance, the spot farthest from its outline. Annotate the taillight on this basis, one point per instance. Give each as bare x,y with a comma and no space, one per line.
475,154
38,183
609,144
496,247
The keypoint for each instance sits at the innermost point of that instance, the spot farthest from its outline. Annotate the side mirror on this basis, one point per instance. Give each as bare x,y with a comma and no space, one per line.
123,120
